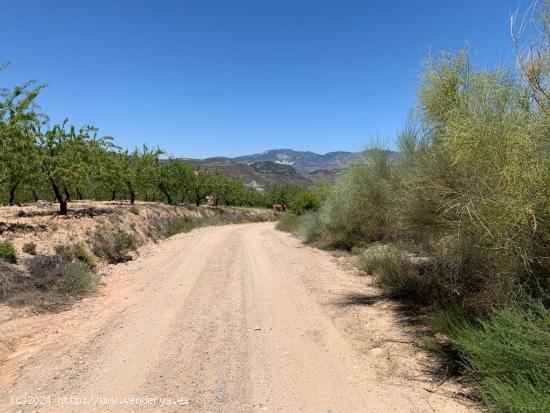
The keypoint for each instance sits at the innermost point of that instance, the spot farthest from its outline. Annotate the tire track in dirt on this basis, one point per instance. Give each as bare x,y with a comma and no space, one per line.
239,318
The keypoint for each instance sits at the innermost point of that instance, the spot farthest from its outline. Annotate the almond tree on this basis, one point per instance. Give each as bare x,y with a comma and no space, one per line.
201,184
110,172
174,177
19,123
139,170
65,157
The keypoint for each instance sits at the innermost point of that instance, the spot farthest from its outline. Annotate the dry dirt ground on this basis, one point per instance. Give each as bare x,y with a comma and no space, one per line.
236,318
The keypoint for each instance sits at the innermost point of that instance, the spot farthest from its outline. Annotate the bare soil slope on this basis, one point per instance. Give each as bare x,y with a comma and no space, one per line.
237,318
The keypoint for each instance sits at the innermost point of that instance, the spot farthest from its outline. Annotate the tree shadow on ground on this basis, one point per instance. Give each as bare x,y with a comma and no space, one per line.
442,363
348,300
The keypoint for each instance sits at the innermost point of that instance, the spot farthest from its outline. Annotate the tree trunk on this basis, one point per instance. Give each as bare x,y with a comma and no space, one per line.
67,193
11,200
132,193
168,197
162,189
197,199
34,195
79,194
60,199
113,195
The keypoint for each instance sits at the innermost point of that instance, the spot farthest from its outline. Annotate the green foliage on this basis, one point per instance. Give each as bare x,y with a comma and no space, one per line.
307,226
174,179
125,241
311,227
394,272
289,223
66,157
7,252
507,351
66,162
177,227
79,279
29,248
65,250
295,198
19,124
78,251
361,203
470,189
304,201
201,185
83,254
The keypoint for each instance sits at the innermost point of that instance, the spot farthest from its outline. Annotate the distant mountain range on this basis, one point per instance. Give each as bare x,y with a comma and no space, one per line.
300,160
281,166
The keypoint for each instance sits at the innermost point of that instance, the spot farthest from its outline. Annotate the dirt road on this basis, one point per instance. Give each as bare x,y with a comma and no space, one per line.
239,318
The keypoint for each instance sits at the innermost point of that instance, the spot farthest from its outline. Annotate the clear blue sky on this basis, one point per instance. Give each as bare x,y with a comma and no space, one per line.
203,78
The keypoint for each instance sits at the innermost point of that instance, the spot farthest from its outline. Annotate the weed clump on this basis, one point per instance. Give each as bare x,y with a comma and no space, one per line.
393,271
83,254
46,271
114,245
78,251
79,278
29,248
179,226
8,252
58,271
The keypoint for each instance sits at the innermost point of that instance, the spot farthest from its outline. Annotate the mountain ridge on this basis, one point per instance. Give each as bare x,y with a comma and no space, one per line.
302,161
281,166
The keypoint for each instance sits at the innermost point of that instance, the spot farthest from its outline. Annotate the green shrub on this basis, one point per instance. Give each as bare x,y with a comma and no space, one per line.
289,223
66,250
11,278
470,188
7,252
29,248
113,245
310,227
361,202
79,279
303,202
177,227
508,352
134,210
82,253
78,251
125,241
394,272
